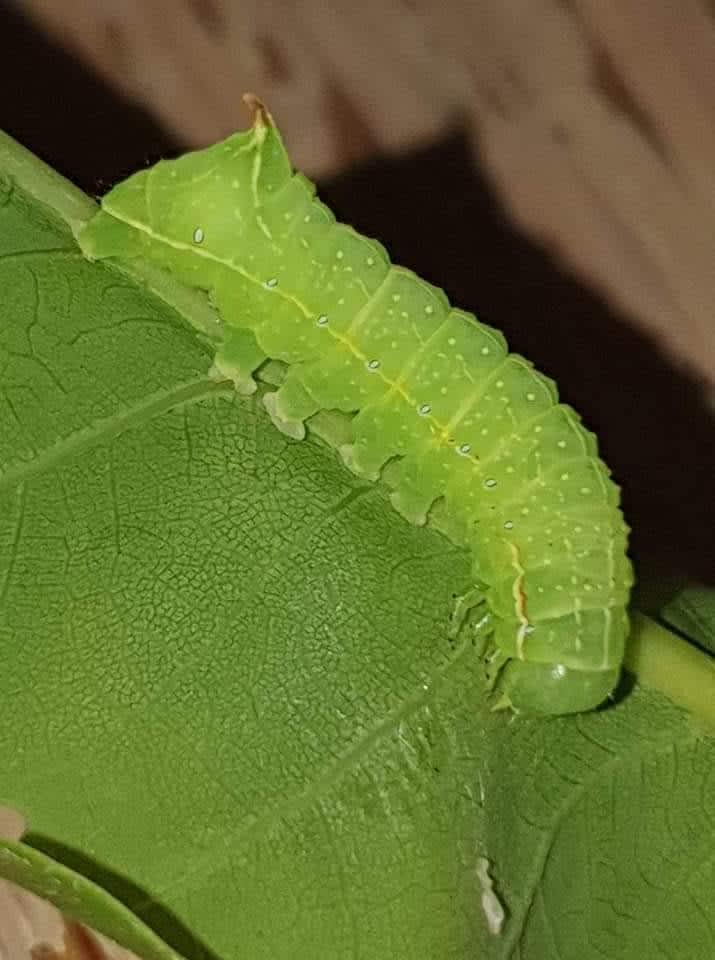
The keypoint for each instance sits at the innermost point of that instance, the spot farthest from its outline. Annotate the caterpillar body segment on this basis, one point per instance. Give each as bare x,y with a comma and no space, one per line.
434,393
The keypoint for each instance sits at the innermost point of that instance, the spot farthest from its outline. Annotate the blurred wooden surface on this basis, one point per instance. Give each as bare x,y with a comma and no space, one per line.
32,929
594,117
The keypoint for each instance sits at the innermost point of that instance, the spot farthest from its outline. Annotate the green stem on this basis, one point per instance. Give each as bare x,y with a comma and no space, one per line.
44,183
663,661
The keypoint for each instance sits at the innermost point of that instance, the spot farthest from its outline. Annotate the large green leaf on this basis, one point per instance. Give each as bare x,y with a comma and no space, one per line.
228,696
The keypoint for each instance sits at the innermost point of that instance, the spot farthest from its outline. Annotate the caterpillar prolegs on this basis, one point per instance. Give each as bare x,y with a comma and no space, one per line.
433,392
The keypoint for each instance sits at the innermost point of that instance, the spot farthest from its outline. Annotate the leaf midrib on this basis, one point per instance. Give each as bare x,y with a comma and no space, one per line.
78,441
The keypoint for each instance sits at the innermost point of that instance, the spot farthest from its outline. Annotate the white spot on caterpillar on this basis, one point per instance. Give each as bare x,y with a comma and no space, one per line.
429,309
490,483
235,184
198,235
499,384
373,364
561,443
485,351
531,396
322,320
463,449
564,476
585,490
509,525
396,298
491,904
451,341
370,261
339,255
273,282
424,409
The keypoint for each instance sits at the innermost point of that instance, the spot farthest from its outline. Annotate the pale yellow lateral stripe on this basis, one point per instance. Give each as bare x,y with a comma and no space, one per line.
517,591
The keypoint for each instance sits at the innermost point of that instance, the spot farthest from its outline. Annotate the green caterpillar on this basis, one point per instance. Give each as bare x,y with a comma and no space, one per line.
431,389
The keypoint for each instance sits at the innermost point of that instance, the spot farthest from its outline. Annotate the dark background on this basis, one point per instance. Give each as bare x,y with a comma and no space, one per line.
437,215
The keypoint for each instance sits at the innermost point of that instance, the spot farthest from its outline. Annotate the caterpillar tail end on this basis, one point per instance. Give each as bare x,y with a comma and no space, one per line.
260,113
